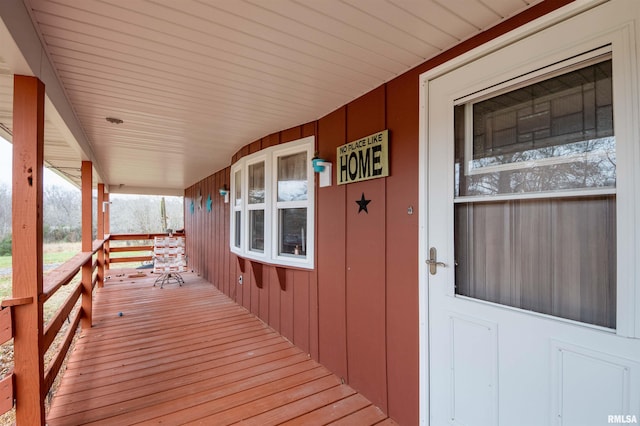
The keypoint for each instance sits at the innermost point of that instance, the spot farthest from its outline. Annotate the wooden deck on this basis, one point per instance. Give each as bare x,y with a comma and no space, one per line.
190,355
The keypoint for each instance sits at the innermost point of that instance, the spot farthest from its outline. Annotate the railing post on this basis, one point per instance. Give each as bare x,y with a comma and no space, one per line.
100,236
107,263
107,230
28,153
87,246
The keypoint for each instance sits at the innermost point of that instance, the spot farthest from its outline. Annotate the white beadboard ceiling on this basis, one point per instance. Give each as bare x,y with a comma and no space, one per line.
195,80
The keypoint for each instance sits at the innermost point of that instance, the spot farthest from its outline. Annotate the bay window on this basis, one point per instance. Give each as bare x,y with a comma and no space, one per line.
272,215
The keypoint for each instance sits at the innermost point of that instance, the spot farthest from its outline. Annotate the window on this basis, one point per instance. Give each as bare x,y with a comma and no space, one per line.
236,230
535,203
255,206
292,204
272,218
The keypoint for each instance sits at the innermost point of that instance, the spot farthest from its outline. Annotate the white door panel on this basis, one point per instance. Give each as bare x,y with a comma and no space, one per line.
493,364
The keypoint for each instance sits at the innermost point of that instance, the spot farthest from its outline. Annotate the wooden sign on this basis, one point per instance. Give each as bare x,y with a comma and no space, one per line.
363,159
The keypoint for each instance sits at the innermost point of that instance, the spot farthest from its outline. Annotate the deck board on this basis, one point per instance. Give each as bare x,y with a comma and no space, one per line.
190,355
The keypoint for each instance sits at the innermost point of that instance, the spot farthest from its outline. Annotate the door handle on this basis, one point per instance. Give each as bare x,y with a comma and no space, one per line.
433,261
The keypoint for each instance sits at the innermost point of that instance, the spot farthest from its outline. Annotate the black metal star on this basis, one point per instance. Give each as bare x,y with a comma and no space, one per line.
362,204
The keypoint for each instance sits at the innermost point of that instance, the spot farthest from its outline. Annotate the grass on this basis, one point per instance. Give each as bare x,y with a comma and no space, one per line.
52,254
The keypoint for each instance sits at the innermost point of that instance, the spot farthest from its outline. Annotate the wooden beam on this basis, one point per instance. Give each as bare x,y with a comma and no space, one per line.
126,249
61,315
256,267
7,392
130,259
6,325
28,152
87,242
107,231
102,212
16,301
63,274
133,237
282,277
107,215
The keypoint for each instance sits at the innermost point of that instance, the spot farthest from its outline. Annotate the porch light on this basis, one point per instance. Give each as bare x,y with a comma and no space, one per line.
323,168
224,192
104,205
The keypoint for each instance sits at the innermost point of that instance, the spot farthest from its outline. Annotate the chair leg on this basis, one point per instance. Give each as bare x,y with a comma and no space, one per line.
167,277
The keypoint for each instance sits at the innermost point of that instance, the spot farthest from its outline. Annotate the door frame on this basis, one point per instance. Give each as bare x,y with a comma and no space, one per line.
531,28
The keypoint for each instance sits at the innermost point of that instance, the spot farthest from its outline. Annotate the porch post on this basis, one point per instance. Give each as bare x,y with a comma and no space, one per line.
87,242
28,153
100,236
107,231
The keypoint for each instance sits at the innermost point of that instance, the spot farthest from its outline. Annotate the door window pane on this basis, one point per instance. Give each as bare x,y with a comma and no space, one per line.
552,135
553,255
292,177
256,183
293,232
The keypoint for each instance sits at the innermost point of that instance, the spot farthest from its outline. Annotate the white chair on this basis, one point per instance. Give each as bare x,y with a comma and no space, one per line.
169,260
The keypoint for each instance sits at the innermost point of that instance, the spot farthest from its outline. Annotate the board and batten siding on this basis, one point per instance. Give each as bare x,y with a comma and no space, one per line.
357,311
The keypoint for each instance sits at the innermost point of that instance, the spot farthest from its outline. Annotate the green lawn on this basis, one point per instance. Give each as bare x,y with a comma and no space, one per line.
49,258
5,286
53,254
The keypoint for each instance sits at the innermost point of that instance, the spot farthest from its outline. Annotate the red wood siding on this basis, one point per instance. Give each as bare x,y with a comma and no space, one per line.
402,250
331,252
357,312
366,263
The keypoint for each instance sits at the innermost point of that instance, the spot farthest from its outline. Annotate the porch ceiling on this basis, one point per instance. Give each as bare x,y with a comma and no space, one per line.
193,81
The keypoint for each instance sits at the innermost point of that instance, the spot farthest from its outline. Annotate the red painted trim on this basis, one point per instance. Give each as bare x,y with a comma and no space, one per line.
255,146
291,134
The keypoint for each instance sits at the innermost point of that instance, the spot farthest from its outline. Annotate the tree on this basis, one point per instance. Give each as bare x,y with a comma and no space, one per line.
62,214
5,211
143,214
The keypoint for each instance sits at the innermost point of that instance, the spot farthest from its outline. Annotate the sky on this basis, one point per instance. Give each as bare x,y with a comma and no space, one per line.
6,158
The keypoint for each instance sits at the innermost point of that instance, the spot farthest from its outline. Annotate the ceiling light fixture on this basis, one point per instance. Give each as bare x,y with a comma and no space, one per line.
114,120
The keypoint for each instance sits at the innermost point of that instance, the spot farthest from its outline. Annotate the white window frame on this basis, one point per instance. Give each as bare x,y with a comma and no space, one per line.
248,207
272,205
234,209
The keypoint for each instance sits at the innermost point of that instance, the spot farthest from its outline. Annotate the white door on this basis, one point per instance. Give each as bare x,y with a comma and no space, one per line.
530,230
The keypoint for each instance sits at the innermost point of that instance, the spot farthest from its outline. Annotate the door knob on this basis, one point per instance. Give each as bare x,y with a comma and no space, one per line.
433,261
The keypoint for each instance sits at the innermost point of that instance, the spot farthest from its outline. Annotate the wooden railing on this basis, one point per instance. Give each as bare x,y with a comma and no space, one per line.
138,238
52,282
84,264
